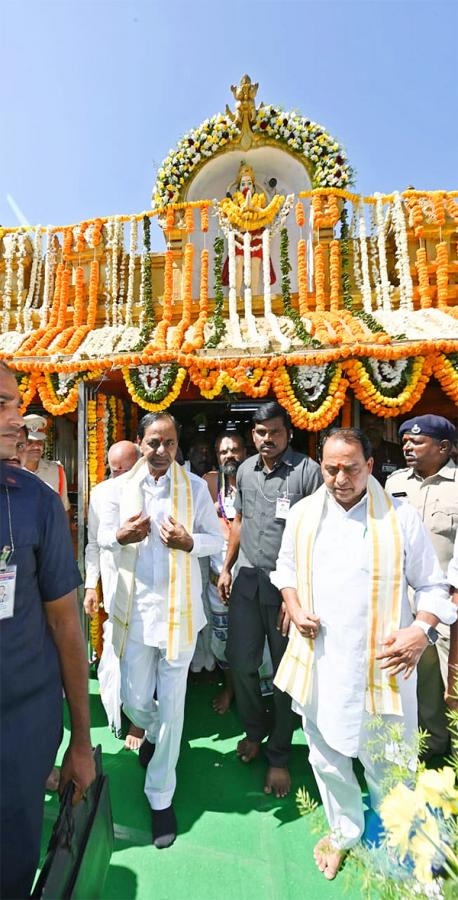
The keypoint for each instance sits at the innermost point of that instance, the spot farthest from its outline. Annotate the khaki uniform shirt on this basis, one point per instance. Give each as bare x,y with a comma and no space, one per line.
436,499
48,471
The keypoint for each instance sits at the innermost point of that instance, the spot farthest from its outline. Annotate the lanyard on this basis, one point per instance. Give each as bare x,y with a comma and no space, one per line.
8,550
269,499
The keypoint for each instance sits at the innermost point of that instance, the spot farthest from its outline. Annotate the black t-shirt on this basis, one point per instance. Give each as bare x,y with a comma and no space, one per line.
46,570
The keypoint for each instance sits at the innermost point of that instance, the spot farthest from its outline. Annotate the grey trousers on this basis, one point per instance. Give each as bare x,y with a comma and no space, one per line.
253,613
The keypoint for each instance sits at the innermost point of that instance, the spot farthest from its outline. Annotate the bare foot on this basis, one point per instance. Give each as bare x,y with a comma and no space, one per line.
52,781
247,750
278,781
328,858
222,701
134,738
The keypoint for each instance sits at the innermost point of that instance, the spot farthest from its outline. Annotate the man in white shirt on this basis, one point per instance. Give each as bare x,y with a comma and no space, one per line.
155,622
99,564
352,628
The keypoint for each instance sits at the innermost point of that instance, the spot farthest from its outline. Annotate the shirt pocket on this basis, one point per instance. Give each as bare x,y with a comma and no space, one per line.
444,521
249,504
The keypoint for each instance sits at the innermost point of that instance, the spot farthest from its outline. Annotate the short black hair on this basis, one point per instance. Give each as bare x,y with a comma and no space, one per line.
230,434
271,410
151,418
351,436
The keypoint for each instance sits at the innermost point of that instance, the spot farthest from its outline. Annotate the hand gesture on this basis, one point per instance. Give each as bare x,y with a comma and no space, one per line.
175,536
91,602
134,530
402,650
224,586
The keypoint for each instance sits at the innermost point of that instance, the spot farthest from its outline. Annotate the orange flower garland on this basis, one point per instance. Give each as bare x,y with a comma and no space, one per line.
120,421
417,215
185,322
302,276
423,278
97,232
28,392
319,277
439,212
334,269
92,442
169,219
204,219
300,214
447,376
452,209
442,275
331,213
302,417
80,239
160,338
317,208
96,625
376,402
101,449
189,219
67,242
198,336
78,307
49,400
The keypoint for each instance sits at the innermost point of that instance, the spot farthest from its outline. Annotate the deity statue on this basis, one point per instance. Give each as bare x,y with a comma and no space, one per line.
246,210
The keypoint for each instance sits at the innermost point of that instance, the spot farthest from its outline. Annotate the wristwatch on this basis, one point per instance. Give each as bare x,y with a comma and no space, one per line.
427,629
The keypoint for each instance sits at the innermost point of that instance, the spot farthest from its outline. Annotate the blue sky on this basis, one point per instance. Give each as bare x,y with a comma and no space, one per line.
95,93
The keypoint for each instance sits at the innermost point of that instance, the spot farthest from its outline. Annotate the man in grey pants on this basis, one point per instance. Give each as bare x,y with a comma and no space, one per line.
268,484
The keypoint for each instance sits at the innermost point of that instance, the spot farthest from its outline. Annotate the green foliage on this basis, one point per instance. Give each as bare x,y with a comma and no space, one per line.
285,268
305,803
147,289
216,320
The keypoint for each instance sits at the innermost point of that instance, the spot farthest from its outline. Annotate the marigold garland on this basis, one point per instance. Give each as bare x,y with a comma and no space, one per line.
92,442
446,372
442,275
334,272
163,404
320,277
439,212
189,219
380,404
120,423
198,336
160,338
169,219
204,219
96,626
317,206
302,417
300,214
302,276
185,321
101,448
424,287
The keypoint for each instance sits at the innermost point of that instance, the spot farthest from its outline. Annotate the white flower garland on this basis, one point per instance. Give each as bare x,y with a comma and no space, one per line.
50,269
122,288
27,312
387,372
385,286
21,254
366,284
10,249
132,261
129,339
108,228
311,380
116,245
266,272
356,252
402,255
233,316
64,379
375,262
419,325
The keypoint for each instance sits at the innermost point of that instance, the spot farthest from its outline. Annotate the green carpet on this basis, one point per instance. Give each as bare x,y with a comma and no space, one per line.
234,842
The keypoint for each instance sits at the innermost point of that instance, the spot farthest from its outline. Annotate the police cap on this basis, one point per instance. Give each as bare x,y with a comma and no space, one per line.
433,426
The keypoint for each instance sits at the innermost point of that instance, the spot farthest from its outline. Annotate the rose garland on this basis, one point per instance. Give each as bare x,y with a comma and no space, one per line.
138,393
216,321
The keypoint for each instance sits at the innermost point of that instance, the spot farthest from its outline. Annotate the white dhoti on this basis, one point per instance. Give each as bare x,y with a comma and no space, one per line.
109,676
337,783
144,673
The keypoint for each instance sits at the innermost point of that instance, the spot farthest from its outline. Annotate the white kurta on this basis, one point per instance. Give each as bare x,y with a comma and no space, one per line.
148,623
99,562
341,589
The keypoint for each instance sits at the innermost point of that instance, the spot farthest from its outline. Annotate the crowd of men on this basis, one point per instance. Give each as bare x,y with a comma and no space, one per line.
350,585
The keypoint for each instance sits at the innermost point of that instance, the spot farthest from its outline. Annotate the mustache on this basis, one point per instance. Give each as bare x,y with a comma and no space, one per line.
230,467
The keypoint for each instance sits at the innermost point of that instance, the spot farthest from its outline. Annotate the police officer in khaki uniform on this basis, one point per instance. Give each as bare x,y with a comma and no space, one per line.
49,471
430,483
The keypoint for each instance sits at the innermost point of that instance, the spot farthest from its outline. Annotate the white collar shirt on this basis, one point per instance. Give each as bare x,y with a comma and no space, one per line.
340,586
148,622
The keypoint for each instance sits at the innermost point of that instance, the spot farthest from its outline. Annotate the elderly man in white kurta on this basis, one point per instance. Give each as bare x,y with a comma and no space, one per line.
158,519
348,554
102,564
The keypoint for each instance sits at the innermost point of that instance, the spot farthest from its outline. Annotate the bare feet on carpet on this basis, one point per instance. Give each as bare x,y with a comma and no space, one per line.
134,738
328,858
248,750
223,700
278,781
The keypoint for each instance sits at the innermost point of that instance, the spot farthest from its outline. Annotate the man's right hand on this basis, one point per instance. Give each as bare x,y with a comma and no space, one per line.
134,530
91,602
224,586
